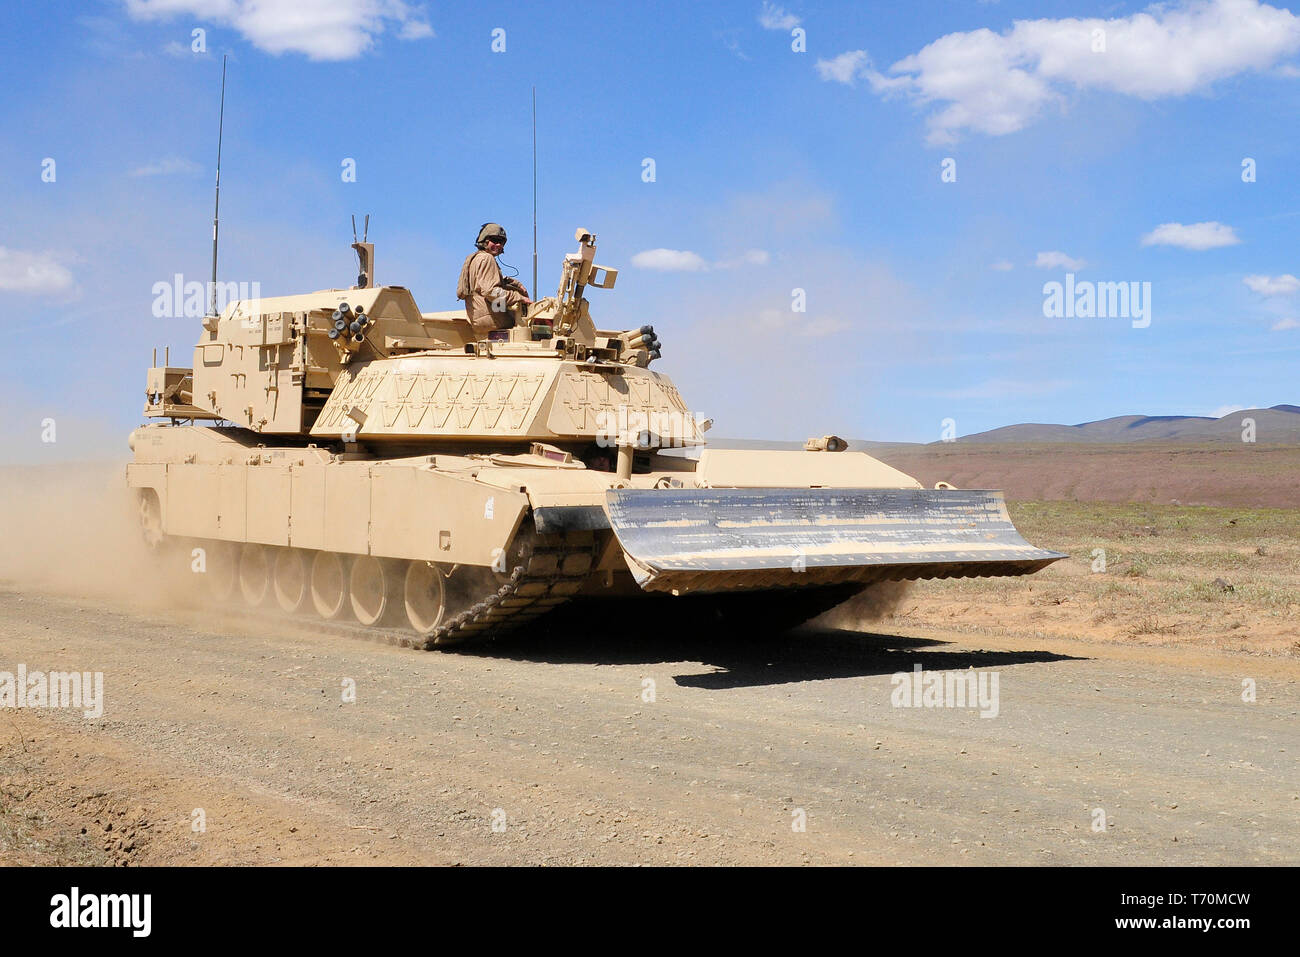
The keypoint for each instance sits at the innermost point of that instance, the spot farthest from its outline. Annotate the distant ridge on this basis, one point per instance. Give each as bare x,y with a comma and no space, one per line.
1280,423
1164,459
1276,425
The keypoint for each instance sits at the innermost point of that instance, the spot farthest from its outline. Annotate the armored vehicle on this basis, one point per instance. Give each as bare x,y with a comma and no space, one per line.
344,455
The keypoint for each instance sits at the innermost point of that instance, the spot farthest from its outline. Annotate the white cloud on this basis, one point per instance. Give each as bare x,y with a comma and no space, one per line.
321,29
415,30
773,17
843,68
1223,410
1003,265
1285,324
1273,285
1198,236
670,260
25,272
998,83
166,166
1057,260
683,260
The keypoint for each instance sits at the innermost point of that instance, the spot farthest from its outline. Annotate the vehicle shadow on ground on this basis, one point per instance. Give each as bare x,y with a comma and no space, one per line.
747,660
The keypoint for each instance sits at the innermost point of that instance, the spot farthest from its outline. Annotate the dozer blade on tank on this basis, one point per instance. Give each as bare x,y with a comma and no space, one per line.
715,539
343,455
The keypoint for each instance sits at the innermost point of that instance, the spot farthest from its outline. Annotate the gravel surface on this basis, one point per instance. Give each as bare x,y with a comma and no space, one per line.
550,748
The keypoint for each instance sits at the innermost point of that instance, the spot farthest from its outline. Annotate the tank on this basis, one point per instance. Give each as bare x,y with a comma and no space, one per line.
341,454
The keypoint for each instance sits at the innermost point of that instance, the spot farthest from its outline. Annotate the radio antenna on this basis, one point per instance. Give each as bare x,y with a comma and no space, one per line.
534,285
216,209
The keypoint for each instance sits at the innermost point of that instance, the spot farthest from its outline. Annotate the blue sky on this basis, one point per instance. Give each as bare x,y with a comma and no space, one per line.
775,170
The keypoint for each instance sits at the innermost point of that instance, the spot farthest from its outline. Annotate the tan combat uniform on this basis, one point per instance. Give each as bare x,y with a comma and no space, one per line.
487,296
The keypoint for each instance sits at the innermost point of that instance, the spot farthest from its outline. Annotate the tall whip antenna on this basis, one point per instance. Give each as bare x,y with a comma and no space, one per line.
534,286
216,209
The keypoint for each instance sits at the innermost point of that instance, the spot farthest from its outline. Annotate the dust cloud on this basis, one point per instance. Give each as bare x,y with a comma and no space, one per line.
73,528
874,603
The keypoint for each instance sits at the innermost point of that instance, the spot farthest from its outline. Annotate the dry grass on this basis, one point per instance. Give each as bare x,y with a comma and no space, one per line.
1224,577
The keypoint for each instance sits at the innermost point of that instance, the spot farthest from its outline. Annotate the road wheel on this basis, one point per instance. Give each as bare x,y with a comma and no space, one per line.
374,589
329,585
291,591
255,574
151,525
425,593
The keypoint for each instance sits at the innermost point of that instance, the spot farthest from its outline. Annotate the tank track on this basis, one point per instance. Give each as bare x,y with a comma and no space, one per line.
549,572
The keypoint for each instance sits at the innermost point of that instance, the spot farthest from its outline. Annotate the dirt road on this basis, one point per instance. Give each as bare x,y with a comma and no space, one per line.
545,750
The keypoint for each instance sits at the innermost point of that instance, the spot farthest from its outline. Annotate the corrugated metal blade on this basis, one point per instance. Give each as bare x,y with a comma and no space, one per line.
720,539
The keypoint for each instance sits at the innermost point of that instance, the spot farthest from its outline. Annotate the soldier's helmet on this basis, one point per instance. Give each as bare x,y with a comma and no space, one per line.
488,231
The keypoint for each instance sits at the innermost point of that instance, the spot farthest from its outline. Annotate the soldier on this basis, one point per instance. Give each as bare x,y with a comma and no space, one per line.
487,294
